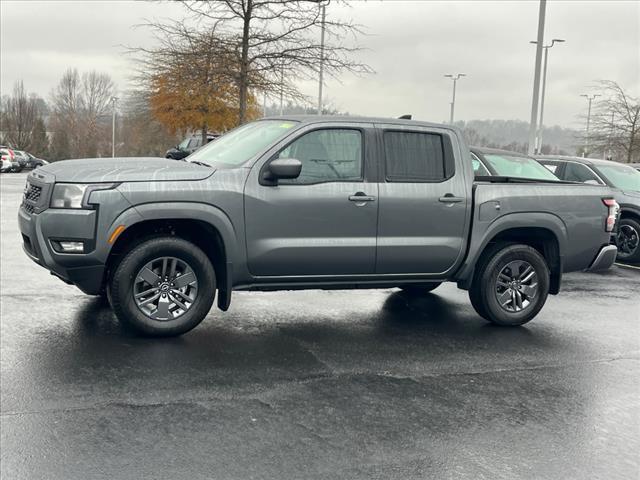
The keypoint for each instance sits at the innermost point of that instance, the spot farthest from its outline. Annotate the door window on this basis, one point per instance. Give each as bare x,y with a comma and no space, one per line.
576,172
329,155
414,157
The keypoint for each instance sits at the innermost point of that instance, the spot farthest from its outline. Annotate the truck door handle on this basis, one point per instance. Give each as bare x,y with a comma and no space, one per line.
449,198
361,197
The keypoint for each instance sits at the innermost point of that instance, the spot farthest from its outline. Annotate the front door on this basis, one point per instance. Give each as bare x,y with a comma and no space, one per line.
324,221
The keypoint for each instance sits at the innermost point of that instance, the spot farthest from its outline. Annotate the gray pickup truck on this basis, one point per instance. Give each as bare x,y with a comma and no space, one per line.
310,202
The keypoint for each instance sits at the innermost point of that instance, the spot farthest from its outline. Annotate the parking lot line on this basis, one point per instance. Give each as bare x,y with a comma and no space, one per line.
627,266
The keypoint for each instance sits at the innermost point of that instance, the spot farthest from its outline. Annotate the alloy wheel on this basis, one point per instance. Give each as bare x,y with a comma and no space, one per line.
165,288
628,239
516,286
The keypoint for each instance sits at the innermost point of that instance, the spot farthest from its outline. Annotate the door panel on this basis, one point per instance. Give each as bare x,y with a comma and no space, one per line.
422,224
317,228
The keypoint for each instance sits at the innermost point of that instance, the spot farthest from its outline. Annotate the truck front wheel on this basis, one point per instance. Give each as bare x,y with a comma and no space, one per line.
163,287
510,285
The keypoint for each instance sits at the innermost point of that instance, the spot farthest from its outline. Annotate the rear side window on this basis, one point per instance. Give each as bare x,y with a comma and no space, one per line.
575,172
414,157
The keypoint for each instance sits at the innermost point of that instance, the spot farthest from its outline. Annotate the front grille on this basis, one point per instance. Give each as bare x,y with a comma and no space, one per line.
28,208
32,192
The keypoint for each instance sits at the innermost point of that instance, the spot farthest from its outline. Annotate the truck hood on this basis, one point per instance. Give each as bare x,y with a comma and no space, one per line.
130,169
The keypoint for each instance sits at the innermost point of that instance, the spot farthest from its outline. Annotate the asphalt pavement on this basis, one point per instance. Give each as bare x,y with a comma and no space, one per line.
368,384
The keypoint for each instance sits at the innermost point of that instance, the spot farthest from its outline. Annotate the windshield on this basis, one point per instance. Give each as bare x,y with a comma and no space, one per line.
621,176
242,144
521,167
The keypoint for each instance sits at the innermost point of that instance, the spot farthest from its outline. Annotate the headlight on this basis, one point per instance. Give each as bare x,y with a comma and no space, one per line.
68,195
75,195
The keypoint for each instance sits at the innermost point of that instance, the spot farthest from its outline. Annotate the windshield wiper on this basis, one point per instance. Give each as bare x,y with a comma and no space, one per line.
200,163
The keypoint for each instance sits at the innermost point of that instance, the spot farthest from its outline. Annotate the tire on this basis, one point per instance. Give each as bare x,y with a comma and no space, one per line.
419,289
628,240
182,299
504,266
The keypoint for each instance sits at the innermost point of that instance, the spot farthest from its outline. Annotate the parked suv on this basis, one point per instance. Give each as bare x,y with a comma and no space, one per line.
8,160
625,182
310,202
188,146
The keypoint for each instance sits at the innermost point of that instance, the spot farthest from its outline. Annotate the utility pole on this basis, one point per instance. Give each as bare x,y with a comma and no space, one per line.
113,126
455,78
324,11
536,78
590,98
538,143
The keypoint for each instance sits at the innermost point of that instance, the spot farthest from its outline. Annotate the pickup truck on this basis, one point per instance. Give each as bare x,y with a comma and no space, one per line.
310,202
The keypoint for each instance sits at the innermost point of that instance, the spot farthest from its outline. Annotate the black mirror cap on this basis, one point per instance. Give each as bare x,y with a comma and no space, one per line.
282,168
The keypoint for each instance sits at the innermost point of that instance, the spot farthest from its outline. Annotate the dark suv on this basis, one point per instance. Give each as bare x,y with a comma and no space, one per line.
188,146
625,181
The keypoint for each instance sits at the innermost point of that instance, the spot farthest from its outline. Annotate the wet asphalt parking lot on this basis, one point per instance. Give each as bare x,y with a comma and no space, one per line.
317,385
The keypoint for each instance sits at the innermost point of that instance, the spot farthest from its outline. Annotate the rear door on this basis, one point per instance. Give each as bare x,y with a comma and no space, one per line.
424,201
323,222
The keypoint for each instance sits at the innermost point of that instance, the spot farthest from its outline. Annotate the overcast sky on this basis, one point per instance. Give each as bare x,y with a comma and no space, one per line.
410,46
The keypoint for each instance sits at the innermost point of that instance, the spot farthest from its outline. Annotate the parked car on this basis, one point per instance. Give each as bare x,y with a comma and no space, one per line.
625,182
22,158
34,162
494,162
310,202
9,161
188,146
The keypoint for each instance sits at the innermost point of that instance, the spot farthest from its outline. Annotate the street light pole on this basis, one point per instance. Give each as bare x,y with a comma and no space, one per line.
113,126
324,11
536,78
282,90
590,98
538,142
453,100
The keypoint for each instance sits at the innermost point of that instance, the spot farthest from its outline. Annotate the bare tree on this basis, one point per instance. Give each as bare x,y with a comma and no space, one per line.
615,124
277,42
79,120
21,120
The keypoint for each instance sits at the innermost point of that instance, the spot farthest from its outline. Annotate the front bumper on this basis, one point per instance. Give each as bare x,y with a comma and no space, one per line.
605,259
82,270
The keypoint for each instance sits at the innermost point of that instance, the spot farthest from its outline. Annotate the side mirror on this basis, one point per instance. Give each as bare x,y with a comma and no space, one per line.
282,168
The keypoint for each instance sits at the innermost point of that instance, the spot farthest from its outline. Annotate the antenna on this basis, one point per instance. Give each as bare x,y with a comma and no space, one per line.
405,117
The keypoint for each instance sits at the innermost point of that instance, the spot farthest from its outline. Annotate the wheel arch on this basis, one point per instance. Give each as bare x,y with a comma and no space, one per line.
547,237
207,227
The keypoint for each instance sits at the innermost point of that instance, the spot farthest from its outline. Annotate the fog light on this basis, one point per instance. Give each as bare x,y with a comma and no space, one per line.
64,246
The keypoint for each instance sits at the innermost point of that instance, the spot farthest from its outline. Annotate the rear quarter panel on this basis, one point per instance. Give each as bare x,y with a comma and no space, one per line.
575,214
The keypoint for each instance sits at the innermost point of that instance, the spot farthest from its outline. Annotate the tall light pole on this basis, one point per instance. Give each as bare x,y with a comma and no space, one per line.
282,89
455,78
590,98
536,77
538,143
324,11
113,126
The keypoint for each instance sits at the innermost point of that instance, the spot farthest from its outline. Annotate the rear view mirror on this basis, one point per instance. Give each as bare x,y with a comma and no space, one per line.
282,168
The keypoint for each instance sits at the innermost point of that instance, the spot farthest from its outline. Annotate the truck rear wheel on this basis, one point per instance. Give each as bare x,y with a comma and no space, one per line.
163,287
510,285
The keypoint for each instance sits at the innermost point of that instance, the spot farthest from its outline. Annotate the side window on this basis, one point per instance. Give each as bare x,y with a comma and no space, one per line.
330,155
552,167
479,169
575,172
414,157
